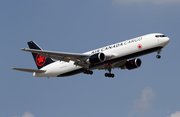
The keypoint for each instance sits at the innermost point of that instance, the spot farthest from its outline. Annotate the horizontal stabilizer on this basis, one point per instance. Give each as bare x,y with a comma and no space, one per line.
29,70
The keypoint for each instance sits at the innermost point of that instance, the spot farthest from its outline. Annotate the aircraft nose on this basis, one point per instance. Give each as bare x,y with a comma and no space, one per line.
164,41
167,40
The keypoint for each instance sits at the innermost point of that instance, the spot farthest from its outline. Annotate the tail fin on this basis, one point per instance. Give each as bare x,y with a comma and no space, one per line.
40,61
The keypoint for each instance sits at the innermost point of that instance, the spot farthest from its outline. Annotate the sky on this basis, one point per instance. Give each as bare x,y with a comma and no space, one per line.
79,26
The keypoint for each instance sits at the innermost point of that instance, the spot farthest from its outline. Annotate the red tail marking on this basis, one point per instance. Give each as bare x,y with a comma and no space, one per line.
40,60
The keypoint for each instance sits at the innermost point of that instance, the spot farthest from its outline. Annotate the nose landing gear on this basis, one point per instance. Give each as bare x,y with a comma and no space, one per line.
158,56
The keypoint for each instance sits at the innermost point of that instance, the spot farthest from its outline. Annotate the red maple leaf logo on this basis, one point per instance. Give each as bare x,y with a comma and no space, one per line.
140,46
40,60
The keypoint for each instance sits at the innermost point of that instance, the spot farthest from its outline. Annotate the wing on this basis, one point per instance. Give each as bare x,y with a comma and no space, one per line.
62,56
29,70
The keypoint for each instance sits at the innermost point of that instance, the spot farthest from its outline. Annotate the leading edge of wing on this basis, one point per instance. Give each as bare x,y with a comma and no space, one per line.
63,54
29,70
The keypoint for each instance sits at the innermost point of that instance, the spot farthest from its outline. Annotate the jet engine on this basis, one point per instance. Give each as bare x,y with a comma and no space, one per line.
96,58
134,63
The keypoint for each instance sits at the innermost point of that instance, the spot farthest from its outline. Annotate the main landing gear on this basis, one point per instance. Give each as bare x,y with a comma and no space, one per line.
158,56
109,74
88,72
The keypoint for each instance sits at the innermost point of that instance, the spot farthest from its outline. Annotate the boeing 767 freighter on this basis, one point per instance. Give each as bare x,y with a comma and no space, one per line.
120,55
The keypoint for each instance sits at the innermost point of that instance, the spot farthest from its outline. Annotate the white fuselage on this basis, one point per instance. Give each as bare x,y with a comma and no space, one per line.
121,49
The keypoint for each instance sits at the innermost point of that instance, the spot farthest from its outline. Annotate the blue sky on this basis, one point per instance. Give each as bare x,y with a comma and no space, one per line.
79,26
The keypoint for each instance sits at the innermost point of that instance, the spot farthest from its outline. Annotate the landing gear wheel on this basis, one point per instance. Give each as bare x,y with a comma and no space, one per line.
158,56
88,72
112,75
106,74
109,75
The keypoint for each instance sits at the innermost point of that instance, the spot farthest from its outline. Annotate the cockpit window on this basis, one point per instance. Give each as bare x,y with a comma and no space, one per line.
160,36
157,36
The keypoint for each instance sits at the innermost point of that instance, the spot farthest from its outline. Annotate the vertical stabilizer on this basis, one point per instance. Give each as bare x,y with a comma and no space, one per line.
40,61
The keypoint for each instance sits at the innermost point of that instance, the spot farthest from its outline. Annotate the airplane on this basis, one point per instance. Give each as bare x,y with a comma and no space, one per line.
119,55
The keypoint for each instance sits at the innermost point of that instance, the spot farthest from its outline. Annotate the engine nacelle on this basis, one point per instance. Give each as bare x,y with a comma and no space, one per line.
96,58
134,63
